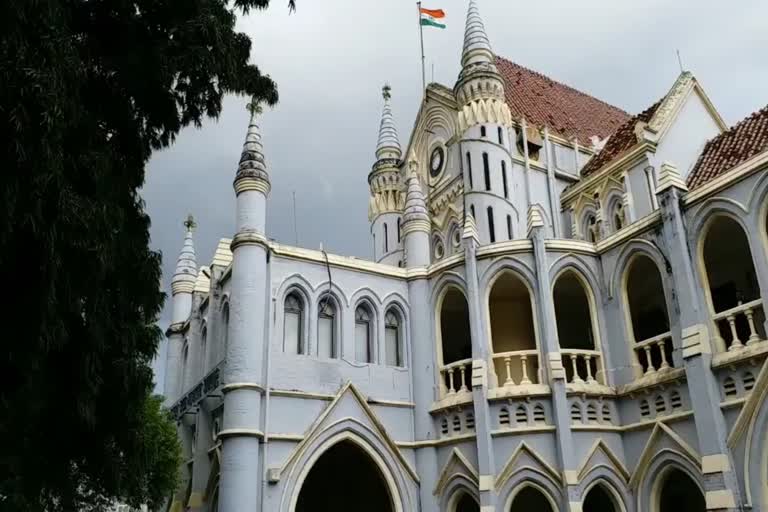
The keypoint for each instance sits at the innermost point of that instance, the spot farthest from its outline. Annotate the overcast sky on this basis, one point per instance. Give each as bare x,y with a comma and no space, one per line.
331,57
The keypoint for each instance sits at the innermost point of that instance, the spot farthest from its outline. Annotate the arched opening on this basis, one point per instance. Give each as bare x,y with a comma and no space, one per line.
679,493
362,485
363,334
530,499
599,499
225,327
491,225
512,331
327,327
293,324
393,338
203,350
184,367
456,341
648,313
733,286
575,329
466,503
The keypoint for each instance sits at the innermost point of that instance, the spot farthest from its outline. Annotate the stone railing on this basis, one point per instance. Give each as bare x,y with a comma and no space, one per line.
517,368
743,314
582,366
654,351
194,396
456,376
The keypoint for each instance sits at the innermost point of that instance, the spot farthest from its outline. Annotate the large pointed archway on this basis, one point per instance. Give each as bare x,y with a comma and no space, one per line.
344,479
679,493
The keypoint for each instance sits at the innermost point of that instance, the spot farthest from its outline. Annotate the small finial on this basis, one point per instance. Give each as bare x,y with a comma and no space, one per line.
254,107
190,223
386,91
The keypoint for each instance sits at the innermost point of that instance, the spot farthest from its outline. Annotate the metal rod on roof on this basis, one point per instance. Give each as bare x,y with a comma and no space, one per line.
680,62
295,226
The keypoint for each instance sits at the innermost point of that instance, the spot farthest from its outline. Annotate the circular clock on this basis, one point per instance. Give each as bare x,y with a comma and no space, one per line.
436,161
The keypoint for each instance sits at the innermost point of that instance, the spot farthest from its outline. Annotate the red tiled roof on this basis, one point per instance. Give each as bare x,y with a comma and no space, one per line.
740,143
544,102
620,142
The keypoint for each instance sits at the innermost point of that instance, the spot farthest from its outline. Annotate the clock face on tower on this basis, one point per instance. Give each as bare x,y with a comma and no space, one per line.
436,161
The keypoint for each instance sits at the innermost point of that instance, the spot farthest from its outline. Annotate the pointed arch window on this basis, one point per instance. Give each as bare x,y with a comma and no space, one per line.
486,172
326,328
469,169
293,316
504,179
363,335
491,227
393,338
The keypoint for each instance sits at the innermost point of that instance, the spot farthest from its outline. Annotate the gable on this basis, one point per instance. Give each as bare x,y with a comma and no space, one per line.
524,457
456,465
601,455
662,438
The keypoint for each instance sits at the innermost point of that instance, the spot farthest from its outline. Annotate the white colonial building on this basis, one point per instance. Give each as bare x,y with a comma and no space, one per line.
565,313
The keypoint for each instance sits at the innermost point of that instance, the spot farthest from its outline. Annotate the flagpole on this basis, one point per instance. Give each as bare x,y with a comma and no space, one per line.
421,39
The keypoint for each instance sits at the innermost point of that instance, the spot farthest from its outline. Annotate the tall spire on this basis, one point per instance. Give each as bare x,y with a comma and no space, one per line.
252,157
389,144
186,266
477,47
415,205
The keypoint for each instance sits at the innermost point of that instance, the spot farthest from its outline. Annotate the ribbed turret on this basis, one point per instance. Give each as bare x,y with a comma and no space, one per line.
186,266
477,47
415,205
252,165
388,146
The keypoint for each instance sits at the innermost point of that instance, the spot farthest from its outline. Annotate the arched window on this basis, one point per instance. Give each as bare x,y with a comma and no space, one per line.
386,239
575,330
512,331
326,328
454,328
225,326
486,172
648,313
203,350
482,131
733,285
679,493
500,133
469,168
529,499
509,227
491,227
293,316
504,179
363,335
465,503
599,499
393,338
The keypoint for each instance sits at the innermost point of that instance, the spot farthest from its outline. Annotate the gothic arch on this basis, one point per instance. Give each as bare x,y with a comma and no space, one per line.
395,303
355,432
341,298
580,265
367,294
615,485
530,478
445,281
457,485
507,264
298,288
713,207
652,477
631,250
296,281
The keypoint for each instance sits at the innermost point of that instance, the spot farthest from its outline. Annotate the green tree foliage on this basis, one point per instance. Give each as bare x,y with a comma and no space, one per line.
88,88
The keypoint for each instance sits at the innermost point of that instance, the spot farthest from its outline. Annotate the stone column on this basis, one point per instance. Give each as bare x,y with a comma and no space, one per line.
693,337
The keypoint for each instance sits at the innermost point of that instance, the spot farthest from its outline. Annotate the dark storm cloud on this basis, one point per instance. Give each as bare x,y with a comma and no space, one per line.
331,58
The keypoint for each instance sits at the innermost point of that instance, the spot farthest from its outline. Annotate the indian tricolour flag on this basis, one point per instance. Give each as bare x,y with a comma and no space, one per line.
432,17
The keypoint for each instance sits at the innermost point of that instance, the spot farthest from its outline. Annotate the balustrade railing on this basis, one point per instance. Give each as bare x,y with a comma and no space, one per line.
517,368
740,323
582,366
456,376
655,354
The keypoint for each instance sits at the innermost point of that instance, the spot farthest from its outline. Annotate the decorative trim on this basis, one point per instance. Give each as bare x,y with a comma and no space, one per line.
242,385
599,444
240,432
536,429
246,183
435,442
670,418
248,238
648,452
632,231
508,470
571,246
446,475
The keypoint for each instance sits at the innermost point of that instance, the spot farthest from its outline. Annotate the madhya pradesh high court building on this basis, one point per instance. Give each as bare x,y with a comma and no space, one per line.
564,313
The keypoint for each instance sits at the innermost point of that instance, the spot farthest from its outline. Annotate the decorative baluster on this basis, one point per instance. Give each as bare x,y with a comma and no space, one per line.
736,344
463,379
508,367
650,369
451,389
524,361
588,362
662,348
753,336
576,377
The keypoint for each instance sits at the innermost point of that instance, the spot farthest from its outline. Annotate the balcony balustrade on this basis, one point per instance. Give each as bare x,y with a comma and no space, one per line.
582,366
456,376
517,368
655,354
740,323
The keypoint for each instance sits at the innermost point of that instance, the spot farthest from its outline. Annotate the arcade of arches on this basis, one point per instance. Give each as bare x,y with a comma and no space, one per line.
364,488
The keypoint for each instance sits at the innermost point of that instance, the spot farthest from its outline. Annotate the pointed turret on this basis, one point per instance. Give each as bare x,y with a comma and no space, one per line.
184,277
252,163
416,223
477,47
389,143
387,190
252,183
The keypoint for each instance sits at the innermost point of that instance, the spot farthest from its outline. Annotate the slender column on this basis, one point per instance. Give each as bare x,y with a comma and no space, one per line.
692,335
550,349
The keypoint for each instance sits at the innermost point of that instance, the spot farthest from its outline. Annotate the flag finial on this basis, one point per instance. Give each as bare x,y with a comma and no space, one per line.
386,91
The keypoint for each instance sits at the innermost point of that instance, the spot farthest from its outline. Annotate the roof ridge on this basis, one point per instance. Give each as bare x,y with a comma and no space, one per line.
562,84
